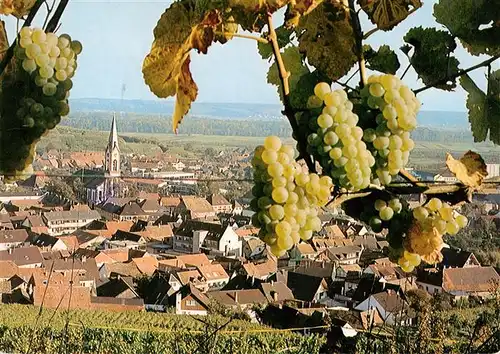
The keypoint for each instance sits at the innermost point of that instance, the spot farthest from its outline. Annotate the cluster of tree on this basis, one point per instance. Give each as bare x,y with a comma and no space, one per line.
142,123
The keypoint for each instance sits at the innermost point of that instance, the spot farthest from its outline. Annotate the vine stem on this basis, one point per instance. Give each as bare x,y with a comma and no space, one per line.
458,74
54,21
10,52
247,36
358,34
288,110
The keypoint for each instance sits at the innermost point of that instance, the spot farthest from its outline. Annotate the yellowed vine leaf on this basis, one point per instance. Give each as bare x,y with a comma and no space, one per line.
18,8
258,5
298,8
388,13
470,169
166,68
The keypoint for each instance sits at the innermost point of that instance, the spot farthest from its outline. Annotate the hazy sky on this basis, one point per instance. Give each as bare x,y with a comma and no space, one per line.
116,35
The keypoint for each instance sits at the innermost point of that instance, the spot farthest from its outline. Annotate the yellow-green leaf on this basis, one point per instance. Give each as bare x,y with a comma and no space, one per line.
166,67
327,38
18,8
470,169
388,13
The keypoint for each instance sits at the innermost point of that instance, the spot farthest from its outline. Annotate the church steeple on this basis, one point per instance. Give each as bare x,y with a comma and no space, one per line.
112,158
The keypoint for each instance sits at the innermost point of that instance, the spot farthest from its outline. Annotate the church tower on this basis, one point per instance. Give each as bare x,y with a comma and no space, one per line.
112,157
112,162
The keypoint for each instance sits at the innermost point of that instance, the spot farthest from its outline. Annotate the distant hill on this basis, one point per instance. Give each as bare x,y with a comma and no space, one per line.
254,111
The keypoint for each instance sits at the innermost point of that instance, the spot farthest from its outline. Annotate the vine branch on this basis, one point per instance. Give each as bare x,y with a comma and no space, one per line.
288,110
458,74
10,52
358,34
246,36
52,25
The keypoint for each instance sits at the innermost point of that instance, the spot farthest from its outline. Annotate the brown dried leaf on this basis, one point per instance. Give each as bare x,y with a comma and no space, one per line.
470,169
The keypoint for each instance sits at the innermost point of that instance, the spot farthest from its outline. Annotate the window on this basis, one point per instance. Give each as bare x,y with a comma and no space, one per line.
115,165
190,303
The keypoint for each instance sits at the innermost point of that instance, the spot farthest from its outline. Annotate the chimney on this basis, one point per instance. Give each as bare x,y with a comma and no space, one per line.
323,264
272,282
10,250
236,296
274,295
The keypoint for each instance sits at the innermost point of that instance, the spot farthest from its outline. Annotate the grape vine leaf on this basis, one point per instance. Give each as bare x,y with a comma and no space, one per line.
470,169
383,60
251,15
386,14
327,39
484,109
432,58
283,34
166,68
298,8
465,19
292,59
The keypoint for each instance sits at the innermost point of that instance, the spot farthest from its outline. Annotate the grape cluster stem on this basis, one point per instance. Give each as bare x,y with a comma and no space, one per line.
288,111
358,35
52,25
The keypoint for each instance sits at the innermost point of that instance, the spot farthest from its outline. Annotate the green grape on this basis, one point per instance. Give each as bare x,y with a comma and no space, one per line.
369,135
276,212
386,213
285,242
314,102
280,195
420,213
269,156
37,110
275,170
40,81
389,112
375,224
452,227
33,50
29,65
290,210
272,143
46,72
434,204
446,213
54,53
77,47
380,204
305,235
461,221
20,53
279,181
395,205
28,122
25,32
325,121
64,41
38,36
283,229
49,89
376,90
321,89
42,60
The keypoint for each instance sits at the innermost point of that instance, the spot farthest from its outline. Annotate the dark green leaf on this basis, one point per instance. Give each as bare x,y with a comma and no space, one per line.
327,38
432,58
463,18
383,60
484,109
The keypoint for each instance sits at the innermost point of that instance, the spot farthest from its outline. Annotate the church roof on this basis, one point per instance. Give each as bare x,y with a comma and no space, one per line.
113,135
95,182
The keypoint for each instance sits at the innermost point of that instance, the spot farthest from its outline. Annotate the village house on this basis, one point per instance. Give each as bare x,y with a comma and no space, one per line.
219,204
13,238
391,307
66,222
193,236
195,208
25,257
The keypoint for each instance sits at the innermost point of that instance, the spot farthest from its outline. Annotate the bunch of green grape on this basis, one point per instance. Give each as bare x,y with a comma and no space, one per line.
431,222
338,140
286,198
35,95
390,141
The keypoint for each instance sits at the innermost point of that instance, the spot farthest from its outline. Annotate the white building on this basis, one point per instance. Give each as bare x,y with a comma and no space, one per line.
66,222
493,169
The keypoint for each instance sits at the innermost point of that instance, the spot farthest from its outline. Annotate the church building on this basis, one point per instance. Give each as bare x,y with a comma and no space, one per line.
103,184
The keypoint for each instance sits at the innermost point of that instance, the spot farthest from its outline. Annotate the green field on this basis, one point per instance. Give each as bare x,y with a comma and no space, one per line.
426,155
